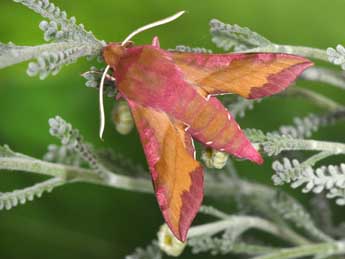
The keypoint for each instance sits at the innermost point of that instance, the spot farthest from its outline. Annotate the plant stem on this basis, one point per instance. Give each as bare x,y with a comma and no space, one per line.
329,249
17,54
313,145
311,161
247,222
70,173
249,249
318,99
313,53
325,75
208,210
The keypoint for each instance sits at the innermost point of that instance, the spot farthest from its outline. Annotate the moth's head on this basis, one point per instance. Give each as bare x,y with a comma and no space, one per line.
113,52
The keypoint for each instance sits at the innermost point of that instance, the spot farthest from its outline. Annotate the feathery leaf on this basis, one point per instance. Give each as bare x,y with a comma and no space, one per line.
235,37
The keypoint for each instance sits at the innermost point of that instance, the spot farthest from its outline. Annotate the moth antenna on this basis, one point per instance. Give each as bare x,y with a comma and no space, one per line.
101,103
152,25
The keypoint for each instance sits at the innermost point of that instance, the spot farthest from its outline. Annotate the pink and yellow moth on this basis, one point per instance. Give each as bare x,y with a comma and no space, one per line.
172,99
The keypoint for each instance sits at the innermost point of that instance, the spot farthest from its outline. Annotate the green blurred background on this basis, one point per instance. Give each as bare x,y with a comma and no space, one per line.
87,221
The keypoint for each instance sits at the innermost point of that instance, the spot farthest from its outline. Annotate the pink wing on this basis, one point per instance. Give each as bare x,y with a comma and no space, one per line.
177,177
249,75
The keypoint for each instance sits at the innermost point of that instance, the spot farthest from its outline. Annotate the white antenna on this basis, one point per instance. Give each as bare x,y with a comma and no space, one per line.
152,25
129,37
101,103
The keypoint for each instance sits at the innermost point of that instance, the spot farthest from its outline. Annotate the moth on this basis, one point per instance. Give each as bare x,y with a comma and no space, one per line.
172,97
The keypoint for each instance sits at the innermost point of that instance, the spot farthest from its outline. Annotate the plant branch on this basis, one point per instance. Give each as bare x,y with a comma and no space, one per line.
72,174
325,75
308,52
329,249
77,174
248,222
12,199
249,249
289,144
11,54
319,99
274,143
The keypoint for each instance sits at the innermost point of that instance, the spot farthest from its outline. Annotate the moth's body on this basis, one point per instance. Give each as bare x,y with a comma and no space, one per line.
171,96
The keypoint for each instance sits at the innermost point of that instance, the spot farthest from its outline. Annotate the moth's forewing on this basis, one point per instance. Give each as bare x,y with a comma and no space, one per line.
249,75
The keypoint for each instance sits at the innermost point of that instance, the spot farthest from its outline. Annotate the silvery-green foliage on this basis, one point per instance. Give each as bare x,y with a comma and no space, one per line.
295,213
322,213
64,155
152,251
225,245
5,151
50,30
93,79
228,241
60,26
303,127
71,42
55,32
211,211
9,46
275,144
183,48
235,37
61,129
217,245
8,53
52,62
72,139
330,179
255,135
12,199
239,107
337,55
326,177
11,54
328,76
287,170
120,163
